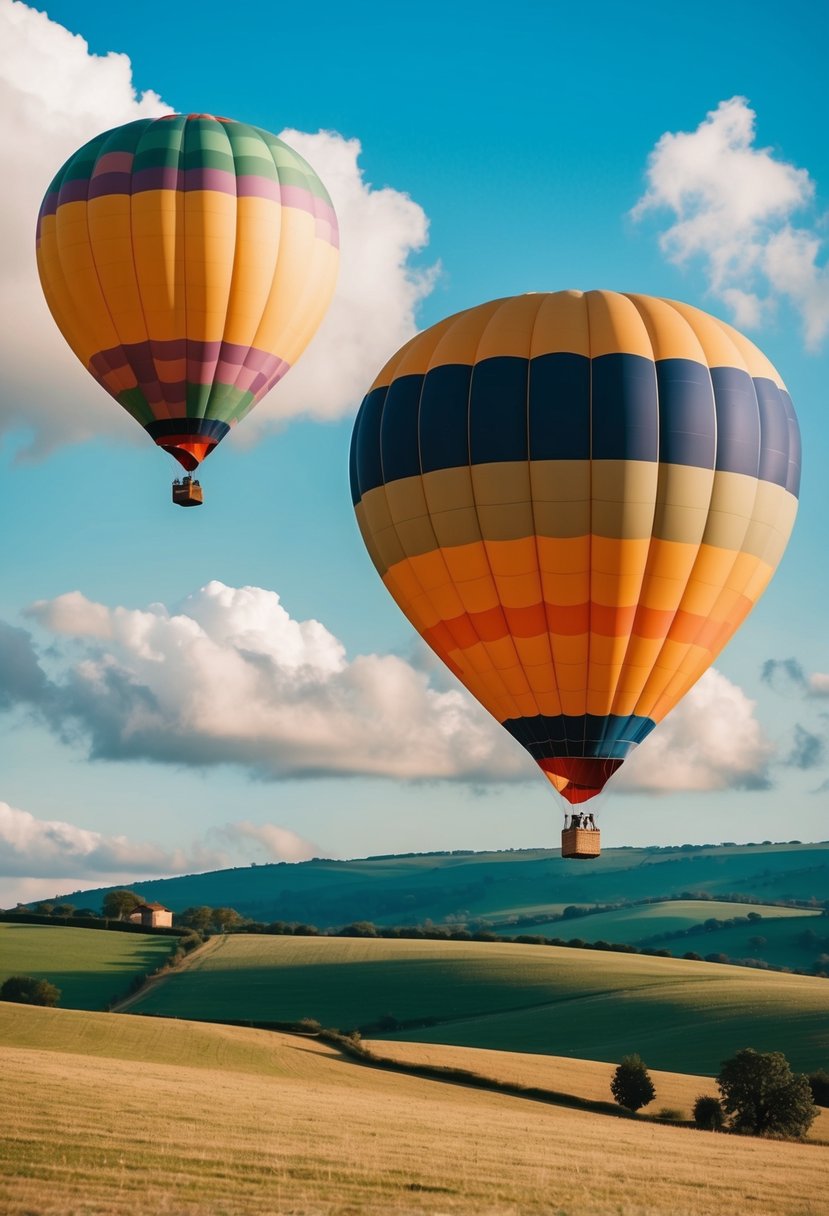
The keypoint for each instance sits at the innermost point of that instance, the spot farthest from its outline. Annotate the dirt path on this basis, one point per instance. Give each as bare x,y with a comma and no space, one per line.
210,947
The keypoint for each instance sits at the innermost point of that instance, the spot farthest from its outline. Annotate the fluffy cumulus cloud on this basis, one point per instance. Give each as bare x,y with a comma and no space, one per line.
230,677
48,848
733,208
711,741
275,843
373,310
58,95
41,856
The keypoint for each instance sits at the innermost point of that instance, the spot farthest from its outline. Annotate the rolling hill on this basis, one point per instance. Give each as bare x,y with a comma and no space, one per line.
115,1114
491,887
91,968
685,1016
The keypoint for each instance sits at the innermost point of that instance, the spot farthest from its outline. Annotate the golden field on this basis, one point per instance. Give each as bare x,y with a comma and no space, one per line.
108,1113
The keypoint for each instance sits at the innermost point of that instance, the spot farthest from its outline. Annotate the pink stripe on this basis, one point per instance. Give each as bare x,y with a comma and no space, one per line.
113,162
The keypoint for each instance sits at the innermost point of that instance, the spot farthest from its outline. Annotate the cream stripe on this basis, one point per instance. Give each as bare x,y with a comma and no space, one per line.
735,498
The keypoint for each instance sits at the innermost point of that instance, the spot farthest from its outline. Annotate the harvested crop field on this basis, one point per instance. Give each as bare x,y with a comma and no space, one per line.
284,1125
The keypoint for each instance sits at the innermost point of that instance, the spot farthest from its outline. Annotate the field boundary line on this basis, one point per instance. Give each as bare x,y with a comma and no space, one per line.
208,947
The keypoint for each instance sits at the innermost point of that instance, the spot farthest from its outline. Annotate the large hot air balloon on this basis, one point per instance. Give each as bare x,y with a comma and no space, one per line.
576,499
188,261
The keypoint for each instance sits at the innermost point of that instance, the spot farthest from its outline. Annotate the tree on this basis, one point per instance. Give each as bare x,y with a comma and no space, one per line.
631,1085
819,1085
64,910
226,918
118,904
26,990
44,909
200,918
708,1113
764,1097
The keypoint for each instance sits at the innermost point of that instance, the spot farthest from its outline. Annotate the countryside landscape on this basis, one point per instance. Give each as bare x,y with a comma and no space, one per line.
339,1055
414,684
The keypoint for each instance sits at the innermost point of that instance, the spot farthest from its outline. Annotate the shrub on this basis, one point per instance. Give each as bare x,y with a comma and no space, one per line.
708,1113
26,990
631,1085
764,1097
671,1112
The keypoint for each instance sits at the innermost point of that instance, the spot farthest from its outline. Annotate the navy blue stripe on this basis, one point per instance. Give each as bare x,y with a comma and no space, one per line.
202,428
352,458
588,735
367,441
738,421
774,432
687,416
498,410
399,448
625,408
676,411
793,473
560,407
444,417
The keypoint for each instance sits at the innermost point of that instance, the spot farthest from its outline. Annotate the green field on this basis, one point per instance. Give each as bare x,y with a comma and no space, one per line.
684,1016
642,921
91,967
106,1114
408,890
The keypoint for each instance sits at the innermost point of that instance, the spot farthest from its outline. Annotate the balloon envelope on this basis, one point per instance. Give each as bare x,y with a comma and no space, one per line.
576,498
187,260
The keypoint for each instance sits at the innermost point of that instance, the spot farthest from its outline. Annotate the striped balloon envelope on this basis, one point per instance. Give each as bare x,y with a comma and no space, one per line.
188,261
576,499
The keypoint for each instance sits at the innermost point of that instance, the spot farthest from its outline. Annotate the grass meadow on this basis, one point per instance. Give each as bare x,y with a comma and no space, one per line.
250,1123
638,923
91,967
683,1016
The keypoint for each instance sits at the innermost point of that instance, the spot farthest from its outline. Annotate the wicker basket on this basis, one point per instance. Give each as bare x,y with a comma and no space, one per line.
581,842
187,493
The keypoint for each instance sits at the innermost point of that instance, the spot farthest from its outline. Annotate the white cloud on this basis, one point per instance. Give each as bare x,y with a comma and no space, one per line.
277,843
733,205
57,94
72,614
711,741
373,310
230,677
41,856
819,684
50,848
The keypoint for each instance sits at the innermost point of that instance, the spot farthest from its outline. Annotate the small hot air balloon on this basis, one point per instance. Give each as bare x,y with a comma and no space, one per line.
576,499
188,261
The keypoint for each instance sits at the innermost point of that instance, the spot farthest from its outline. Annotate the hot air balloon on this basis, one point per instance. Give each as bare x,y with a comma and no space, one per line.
576,499
188,261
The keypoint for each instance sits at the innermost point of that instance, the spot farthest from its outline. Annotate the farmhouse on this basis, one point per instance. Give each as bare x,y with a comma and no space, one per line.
151,915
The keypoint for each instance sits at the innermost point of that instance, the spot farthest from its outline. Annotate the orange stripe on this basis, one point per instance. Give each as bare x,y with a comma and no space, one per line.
573,620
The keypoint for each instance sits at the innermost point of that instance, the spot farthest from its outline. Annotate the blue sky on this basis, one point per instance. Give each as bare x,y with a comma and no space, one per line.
500,151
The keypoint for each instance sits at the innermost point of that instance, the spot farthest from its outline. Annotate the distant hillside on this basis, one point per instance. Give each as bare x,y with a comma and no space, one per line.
684,1016
491,887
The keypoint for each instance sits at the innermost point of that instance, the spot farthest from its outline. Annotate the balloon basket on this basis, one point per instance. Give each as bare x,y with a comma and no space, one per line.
187,493
581,843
